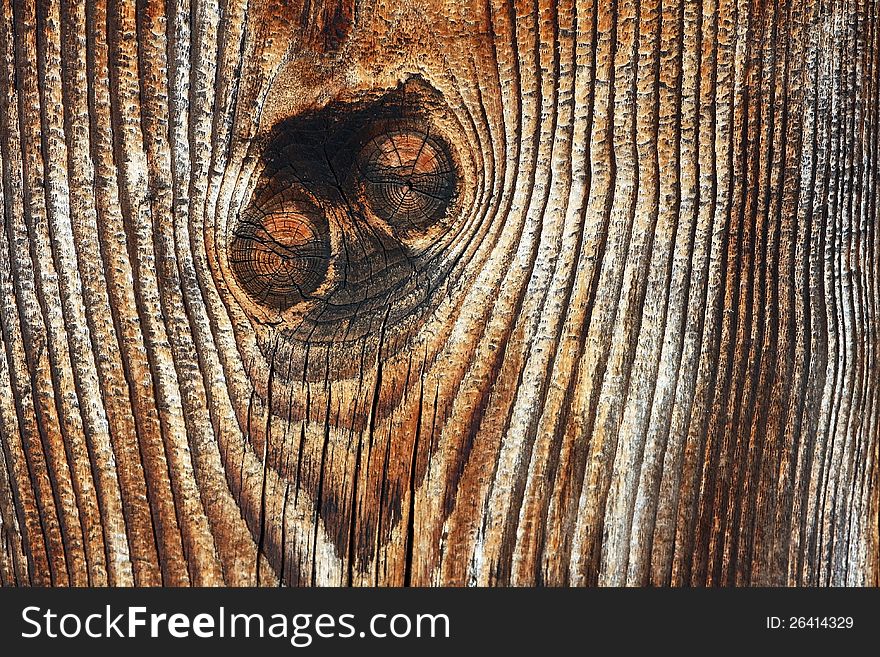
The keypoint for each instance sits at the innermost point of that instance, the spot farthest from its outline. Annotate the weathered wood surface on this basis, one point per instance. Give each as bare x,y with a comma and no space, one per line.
439,292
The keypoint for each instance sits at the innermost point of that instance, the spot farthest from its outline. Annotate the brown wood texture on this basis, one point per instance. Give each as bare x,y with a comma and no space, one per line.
439,292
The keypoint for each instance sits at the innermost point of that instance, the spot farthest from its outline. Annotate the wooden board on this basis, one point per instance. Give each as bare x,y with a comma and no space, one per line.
439,292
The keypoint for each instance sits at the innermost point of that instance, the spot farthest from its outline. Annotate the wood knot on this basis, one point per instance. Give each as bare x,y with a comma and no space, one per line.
280,257
347,241
408,179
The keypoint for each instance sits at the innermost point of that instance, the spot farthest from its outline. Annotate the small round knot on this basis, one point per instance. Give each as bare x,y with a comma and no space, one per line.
408,178
280,258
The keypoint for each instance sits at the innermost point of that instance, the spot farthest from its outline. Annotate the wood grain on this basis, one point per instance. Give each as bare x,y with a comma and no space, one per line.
493,292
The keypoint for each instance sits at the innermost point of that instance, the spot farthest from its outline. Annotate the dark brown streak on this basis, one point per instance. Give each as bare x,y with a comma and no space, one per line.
327,24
